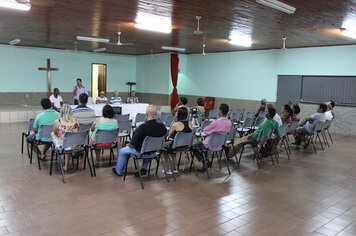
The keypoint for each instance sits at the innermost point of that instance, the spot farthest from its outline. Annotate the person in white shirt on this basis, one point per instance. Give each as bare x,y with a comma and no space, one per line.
328,114
90,99
56,100
101,99
77,90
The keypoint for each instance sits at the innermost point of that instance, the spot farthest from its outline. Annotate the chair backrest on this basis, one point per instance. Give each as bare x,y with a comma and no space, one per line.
122,117
250,114
106,136
217,139
45,131
259,120
83,127
231,134
140,118
152,144
236,116
205,123
30,124
75,139
283,130
248,123
318,126
162,117
213,114
125,126
292,126
262,114
200,117
183,139
169,120
327,124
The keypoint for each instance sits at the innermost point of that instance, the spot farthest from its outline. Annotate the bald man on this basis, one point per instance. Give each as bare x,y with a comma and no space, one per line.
150,128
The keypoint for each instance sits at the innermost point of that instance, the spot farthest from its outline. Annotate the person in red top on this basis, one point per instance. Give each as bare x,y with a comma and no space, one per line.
222,126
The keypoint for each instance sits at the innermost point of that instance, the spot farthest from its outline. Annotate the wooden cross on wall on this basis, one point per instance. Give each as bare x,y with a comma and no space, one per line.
48,69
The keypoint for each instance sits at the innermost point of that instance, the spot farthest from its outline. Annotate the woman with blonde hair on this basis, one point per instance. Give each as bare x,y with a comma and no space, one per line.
66,123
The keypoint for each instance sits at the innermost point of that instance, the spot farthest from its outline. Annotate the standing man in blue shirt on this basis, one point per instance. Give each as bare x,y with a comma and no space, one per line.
77,90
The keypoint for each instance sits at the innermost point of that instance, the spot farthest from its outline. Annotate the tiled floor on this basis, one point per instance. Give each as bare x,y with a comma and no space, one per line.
310,194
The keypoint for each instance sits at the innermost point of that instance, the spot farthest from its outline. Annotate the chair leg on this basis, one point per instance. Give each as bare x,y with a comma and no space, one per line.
127,163
332,142
38,158
32,144
164,170
325,138
111,154
149,168
86,157
139,172
157,166
242,150
318,136
22,142
205,164
286,148
312,142
179,159
227,162
51,164
92,161
193,163
61,167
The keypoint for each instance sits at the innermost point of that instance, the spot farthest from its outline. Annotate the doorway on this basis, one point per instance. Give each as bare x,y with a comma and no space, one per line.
98,79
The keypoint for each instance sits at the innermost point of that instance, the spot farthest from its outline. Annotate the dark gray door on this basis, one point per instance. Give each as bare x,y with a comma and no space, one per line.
288,89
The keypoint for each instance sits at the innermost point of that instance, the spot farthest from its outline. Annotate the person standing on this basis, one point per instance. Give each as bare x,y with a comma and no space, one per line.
77,90
56,100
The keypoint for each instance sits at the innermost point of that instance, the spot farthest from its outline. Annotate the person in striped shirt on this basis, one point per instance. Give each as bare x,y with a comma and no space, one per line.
116,99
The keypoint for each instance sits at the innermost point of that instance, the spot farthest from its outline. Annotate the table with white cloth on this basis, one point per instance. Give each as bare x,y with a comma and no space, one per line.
131,109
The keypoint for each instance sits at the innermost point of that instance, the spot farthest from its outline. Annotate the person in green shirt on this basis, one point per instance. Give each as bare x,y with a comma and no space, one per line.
47,117
260,135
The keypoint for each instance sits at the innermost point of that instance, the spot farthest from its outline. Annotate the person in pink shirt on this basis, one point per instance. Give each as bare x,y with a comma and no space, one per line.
222,126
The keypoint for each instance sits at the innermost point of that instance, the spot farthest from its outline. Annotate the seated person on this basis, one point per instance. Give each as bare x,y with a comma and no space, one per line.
222,126
90,99
328,114
309,124
296,111
262,107
260,135
200,105
150,128
101,99
84,114
115,99
276,116
47,117
106,122
65,123
132,98
56,100
183,103
287,114
332,103
181,125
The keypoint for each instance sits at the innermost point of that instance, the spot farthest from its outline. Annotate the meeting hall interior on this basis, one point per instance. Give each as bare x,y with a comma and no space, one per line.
178,117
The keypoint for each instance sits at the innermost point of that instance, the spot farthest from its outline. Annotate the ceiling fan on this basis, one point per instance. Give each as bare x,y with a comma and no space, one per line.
284,44
119,43
198,31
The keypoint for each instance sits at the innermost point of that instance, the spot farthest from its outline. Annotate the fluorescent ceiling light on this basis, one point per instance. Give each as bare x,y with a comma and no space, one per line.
15,41
280,6
173,49
348,33
99,50
152,22
240,40
17,5
92,39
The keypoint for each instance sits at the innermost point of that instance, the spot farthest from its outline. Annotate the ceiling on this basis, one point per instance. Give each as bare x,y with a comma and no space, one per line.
55,24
